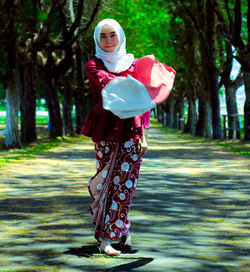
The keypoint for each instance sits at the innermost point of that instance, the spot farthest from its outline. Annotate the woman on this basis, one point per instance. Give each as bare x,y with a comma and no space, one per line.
117,125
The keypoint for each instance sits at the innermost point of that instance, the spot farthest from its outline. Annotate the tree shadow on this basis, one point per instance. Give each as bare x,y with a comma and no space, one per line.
188,221
84,251
91,250
67,155
140,262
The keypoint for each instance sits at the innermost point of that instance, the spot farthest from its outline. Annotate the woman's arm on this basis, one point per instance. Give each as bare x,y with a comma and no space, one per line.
97,75
142,144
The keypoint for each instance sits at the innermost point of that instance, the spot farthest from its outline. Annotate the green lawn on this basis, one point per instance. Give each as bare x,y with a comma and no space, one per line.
2,120
28,151
40,120
238,146
45,144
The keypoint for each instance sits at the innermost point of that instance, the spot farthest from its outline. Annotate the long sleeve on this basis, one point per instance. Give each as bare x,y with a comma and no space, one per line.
98,77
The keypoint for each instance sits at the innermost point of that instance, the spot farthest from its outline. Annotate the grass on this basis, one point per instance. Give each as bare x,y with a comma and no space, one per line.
237,146
43,144
2,120
40,120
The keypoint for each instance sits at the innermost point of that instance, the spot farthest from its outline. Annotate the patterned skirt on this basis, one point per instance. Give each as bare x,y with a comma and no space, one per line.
113,187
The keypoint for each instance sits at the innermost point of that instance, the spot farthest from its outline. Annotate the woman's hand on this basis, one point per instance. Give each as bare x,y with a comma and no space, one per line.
143,145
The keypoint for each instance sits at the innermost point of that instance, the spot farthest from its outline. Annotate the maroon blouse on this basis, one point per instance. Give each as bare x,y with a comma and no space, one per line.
102,124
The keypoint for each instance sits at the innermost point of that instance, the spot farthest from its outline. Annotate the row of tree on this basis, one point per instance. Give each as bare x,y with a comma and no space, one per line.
41,48
215,32
200,39
44,46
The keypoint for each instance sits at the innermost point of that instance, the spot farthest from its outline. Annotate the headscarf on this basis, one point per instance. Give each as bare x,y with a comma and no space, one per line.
117,61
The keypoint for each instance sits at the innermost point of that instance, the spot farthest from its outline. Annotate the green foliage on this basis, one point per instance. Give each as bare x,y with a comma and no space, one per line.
42,15
30,10
40,120
244,10
53,22
178,20
146,27
2,120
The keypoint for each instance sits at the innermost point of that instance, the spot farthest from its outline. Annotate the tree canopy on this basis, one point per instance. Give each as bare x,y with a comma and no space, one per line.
197,38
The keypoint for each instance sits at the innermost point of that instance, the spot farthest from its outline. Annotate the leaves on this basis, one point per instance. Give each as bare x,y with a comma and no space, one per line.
30,9
42,15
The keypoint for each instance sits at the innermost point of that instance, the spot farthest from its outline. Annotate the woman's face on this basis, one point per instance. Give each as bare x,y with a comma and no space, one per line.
108,39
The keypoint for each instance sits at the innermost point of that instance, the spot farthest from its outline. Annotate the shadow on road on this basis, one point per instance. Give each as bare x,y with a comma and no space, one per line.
190,212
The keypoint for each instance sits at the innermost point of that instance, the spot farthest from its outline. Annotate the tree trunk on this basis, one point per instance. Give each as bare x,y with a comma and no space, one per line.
166,113
159,109
200,126
175,116
204,123
171,112
208,119
12,139
28,102
181,115
246,76
231,109
211,69
67,107
79,93
9,67
161,113
55,119
205,89
192,117
80,109
156,112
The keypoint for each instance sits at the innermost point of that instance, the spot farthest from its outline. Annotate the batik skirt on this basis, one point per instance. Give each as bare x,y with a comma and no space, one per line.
113,187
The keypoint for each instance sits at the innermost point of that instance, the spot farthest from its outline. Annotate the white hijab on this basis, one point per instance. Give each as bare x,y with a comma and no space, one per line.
117,61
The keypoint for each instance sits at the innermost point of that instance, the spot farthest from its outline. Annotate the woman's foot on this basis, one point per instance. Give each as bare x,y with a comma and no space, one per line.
126,241
106,248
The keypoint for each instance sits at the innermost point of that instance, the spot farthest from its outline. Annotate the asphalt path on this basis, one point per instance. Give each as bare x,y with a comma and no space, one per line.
190,211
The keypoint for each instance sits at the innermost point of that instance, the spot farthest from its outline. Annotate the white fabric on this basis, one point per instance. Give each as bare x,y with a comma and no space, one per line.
117,61
126,97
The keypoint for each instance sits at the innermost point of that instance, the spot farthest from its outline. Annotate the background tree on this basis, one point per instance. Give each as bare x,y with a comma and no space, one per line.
58,58
184,34
147,32
40,34
234,18
8,70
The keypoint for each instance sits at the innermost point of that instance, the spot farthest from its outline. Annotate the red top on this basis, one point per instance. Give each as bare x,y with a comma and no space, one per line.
102,124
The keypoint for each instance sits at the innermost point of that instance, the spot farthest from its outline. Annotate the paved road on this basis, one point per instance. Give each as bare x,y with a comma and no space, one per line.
190,211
